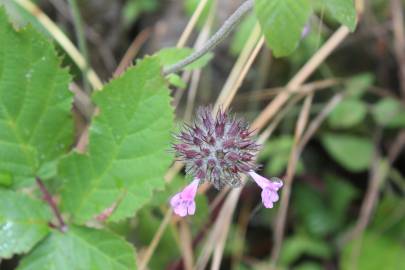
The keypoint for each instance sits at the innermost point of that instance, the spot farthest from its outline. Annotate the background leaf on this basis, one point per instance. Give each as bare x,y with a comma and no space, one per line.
23,223
377,252
35,122
128,145
81,248
347,113
343,11
282,22
352,152
389,112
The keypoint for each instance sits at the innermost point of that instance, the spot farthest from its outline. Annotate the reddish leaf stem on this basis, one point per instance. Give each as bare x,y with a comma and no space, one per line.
48,198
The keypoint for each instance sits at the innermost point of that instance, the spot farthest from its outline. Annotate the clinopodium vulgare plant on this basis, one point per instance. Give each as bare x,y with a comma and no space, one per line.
219,150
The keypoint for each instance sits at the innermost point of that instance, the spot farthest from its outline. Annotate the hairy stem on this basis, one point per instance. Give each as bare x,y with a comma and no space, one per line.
217,38
48,198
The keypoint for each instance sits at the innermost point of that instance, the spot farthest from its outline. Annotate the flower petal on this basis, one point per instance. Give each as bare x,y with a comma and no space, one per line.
260,180
191,208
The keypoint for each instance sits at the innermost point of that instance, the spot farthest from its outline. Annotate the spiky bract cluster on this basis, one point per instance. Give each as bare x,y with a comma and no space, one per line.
217,150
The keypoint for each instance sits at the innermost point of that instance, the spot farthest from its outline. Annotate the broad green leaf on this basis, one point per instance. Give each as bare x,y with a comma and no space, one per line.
170,56
23,223
282,22
343,11
389,112
35,102
377,252
352,152
128,142
347,113
81,248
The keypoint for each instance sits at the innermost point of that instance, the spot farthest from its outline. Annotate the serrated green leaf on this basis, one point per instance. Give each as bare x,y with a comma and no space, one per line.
347,113
343,11
23,223
170,56
389,112
282,22
35,102
128,144
352,152
81,248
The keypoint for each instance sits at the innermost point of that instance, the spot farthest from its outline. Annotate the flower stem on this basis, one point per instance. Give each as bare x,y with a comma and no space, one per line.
48,198
217,38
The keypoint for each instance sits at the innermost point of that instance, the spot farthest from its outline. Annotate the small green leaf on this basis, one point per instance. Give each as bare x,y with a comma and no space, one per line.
128,142
282,22
347,113
81,248
176,81
191,5
389,112
170,56
352,152
6,179
357,85
23,223
343,11
242,33
35,103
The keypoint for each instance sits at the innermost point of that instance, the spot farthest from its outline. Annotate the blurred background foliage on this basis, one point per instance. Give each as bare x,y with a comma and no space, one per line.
363,134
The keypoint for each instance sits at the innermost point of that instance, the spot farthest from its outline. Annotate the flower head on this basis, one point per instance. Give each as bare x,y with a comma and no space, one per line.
183,202
217,149
269,188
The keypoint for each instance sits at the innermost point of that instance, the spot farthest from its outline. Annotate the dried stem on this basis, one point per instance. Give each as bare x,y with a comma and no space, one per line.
285,197
48,198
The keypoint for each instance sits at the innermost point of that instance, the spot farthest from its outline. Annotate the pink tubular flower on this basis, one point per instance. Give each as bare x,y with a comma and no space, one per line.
269,188
183,202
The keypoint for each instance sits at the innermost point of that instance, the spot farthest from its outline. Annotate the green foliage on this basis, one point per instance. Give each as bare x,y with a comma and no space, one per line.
296,246
23,223
278,149
35,121
343,11
127,154
242,33
356,86
170,56
191,5
389,112
377,252
282,22
81,248
348,113
133,8
352,152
